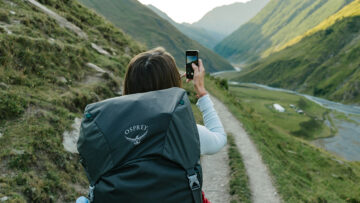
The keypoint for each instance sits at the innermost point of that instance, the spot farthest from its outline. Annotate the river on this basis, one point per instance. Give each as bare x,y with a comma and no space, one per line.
236,69
347,141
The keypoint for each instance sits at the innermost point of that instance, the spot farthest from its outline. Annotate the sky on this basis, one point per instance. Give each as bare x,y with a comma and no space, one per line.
188,11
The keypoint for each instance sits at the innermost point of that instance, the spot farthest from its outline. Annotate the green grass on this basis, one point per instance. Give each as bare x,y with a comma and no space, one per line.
302,172
309,125
45,90
239,181
147,27
275,25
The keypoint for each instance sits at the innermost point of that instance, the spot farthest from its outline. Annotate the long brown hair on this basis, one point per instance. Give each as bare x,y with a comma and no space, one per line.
150,71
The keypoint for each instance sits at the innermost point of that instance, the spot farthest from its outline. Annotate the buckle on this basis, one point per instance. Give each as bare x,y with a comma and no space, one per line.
194,182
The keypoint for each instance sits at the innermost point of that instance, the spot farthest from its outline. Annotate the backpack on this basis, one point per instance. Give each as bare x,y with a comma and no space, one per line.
142,148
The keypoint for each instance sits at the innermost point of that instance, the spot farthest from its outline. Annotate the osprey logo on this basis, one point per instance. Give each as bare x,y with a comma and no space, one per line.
140,132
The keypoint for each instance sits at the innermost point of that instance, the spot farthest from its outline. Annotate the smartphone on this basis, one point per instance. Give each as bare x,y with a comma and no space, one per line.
192,56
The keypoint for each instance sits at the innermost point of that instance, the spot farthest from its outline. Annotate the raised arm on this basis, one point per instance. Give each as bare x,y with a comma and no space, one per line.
212,135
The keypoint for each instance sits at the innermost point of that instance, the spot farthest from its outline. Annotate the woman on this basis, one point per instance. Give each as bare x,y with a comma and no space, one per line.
156,70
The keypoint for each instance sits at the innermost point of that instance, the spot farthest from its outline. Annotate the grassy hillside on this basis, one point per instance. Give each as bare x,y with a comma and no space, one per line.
144,25
276,24
301,171
352,9
226,19
44,85
204,37
324,63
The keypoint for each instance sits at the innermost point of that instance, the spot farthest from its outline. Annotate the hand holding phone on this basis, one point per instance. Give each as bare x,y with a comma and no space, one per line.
192,56
195,71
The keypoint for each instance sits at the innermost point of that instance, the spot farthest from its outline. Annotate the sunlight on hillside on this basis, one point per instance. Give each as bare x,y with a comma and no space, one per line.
353,9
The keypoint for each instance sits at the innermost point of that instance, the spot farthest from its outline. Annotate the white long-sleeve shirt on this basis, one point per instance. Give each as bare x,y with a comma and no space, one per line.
212,135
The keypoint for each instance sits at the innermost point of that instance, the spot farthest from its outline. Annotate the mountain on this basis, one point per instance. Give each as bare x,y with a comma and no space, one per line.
226,19
324,62
204,37
146,26
47,77
274,25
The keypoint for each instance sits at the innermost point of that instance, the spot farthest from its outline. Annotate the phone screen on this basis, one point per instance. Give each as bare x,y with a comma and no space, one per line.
191,57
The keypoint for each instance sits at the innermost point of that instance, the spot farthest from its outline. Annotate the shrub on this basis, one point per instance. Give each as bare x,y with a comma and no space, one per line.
4,17
302,103
308,128
11,105
22,161
222,83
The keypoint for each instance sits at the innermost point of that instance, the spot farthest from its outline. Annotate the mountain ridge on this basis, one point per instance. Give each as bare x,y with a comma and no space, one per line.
149,28
227,18
206,38
278,22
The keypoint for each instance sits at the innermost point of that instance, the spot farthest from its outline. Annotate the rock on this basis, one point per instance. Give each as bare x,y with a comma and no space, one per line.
6,29
99,49
18,152
16,22
3,199
61,20
119,93
62,79
11,3
95,67
292,152
70,138
337,160
127,50
113,51
4,86
51,40
12,12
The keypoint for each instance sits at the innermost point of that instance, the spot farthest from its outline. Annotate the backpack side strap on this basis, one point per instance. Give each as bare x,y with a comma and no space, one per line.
194,185
91,193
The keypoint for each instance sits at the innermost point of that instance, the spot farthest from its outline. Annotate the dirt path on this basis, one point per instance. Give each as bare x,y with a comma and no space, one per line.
261,185
216,177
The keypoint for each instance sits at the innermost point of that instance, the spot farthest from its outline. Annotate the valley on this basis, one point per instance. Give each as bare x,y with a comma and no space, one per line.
337,125
285,80
322,62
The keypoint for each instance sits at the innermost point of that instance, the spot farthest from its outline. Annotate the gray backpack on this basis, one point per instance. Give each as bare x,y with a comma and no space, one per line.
142,148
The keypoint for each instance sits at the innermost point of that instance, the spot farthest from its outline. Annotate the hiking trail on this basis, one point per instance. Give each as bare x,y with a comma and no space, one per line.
261,186
216,176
